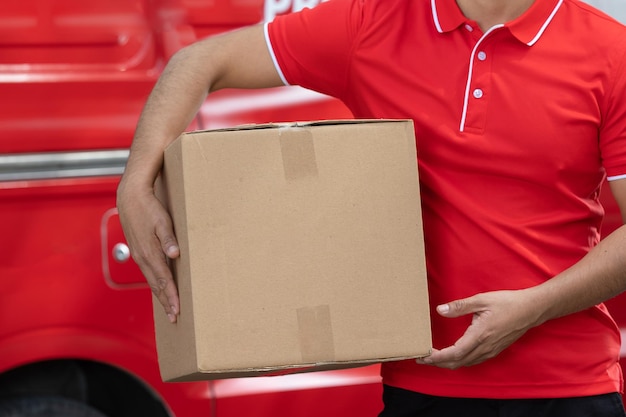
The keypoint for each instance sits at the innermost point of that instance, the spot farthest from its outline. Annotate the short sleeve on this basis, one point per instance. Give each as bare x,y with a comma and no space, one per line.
613,127
313,48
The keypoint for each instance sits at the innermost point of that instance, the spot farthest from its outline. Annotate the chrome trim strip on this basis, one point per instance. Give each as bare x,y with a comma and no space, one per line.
56,165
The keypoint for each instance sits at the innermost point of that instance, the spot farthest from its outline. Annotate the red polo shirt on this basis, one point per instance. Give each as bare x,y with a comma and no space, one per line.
516,129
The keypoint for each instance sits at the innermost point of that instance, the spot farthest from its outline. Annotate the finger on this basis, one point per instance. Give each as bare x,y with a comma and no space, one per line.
169,244
166,292
169,292
460,307
465,351
460,354
154,267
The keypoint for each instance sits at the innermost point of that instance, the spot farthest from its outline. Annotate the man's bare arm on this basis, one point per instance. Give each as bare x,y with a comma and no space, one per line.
238,59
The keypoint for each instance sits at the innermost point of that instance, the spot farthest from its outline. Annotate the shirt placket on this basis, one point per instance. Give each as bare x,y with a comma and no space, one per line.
478,90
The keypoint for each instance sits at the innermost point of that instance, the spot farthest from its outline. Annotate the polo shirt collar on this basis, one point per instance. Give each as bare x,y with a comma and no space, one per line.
527,28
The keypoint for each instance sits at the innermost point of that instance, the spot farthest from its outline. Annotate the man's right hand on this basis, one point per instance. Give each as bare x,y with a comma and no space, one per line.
148,229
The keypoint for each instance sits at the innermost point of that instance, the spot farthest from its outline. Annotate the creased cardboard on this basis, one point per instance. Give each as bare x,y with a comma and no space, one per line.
301,249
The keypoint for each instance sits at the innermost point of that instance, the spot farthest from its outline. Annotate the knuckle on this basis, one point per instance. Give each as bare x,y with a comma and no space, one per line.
159,286
155,289
162,283
458,356
491,354
167,239
483,338
459,305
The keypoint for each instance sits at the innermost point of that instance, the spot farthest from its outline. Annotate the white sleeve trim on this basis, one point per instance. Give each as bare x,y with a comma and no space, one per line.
617,177
271,51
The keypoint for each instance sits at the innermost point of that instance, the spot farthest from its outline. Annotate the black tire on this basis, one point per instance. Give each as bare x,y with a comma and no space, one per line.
46,407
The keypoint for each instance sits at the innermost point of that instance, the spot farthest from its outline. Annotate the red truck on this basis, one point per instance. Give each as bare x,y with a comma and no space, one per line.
76,331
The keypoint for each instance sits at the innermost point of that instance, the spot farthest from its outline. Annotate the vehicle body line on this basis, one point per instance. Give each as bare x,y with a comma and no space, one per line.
55,165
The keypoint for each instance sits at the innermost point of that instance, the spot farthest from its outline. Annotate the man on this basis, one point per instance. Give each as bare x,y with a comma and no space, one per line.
520,112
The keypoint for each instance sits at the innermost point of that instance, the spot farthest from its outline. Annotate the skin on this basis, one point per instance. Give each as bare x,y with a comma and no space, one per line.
192,73
240,59
488,13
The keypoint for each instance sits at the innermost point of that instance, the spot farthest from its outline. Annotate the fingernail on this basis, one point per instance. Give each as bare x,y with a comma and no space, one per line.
171,317
424,361
172,250
443,308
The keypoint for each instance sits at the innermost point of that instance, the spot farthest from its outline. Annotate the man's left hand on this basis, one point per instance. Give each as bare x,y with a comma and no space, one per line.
499,319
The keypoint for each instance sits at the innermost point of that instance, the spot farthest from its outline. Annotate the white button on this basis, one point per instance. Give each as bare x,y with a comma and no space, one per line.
469,28
482,56
478,93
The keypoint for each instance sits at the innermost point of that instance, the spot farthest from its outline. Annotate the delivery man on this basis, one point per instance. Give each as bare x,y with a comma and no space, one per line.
520,115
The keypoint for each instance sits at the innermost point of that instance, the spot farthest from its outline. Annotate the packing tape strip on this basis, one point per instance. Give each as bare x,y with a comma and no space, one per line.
298,153
316,334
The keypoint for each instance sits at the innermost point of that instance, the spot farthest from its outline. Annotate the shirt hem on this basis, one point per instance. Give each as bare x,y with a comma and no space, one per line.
270,49
504,392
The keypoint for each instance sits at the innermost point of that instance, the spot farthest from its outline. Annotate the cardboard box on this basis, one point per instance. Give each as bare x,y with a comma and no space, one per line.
301,249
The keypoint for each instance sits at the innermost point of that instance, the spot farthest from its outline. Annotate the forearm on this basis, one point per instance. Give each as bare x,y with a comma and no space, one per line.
173,103
597,277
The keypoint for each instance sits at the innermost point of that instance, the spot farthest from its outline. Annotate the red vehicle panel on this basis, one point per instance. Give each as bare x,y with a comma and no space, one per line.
76,317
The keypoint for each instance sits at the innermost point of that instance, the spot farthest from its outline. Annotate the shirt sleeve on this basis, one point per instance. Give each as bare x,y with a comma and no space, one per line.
313,48
613,126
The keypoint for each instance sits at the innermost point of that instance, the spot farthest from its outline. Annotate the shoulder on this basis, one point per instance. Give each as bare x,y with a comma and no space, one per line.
594,22
600,36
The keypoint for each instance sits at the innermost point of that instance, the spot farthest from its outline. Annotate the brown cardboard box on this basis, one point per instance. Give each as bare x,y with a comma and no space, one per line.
301,248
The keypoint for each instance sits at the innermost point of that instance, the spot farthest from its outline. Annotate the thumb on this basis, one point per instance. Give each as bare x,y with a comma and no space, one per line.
166,236
458,308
